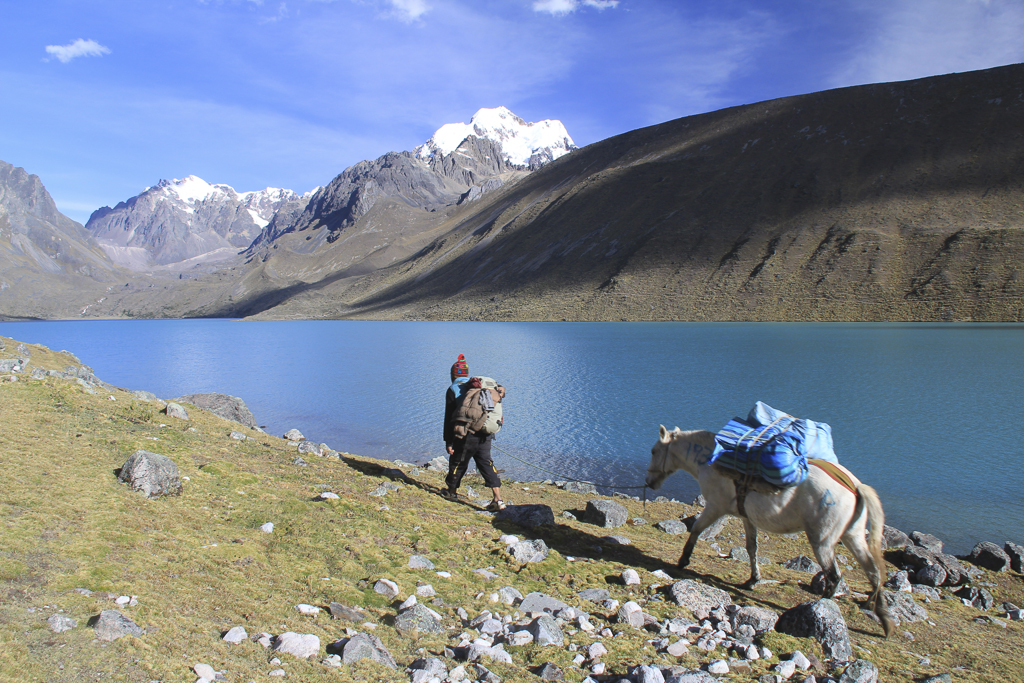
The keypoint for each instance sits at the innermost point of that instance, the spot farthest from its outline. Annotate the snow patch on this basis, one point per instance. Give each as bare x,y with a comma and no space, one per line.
518,140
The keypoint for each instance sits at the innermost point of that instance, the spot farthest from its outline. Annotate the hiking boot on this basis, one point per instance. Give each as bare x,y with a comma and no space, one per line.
448,494
496,505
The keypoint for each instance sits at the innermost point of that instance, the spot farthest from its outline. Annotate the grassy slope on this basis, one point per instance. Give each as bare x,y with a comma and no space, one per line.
199,563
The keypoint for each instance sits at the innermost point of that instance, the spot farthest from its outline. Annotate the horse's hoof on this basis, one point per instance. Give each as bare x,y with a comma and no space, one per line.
750,584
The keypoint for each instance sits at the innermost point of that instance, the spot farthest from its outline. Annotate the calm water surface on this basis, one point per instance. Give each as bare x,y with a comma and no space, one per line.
924,413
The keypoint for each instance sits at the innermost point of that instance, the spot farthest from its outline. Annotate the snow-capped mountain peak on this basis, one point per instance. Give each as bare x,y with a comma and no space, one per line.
191,189
522,143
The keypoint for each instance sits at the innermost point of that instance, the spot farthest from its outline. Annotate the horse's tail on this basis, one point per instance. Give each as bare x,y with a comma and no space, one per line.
868,498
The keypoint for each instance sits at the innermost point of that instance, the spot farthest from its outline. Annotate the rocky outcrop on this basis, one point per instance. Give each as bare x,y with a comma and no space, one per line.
153,474
223,405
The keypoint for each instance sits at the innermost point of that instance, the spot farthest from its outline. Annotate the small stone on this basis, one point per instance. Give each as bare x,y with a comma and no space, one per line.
630,577
308,610
236,635
719,666
60,623
205,671
387,588
267,528
420,562
301,645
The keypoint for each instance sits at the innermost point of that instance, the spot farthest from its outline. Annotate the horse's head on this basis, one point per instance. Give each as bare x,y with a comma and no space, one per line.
662,462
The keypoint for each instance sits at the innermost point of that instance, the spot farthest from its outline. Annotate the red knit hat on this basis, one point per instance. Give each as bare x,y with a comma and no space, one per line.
460,369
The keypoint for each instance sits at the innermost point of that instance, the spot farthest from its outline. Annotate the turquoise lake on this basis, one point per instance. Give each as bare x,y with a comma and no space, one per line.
925,413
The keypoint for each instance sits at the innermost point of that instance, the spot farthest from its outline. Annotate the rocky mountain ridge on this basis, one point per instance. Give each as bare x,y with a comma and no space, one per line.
179,222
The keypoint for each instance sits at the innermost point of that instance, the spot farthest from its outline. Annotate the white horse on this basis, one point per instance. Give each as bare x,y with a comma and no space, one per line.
820,506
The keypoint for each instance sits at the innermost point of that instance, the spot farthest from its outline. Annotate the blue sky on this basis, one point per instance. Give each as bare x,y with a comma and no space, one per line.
102,98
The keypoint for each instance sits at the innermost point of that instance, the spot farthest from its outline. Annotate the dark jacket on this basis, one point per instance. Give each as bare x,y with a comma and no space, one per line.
449,410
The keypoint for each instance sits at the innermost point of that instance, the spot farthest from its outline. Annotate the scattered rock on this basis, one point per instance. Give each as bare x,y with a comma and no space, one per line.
695,596
546,631
630,577
236,635
301,645
594,594
294,435
237,436
672,526
420,562
529,551
989,556
802,563
222,405
527,515
932,575
760,619
340,611
423,670
387,588
205,671
903,608
894,538
267,528
152,474
821,620
899,581
60,623
328,495
979,598
535,603
605,513
366,646
1016,555
550,672
632,614
308,610
418,618
861,671
579,487
176,411
926,541
111,625
310,448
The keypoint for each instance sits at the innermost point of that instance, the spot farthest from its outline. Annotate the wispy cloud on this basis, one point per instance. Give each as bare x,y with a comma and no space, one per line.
409,10
79,48
913,39
559,7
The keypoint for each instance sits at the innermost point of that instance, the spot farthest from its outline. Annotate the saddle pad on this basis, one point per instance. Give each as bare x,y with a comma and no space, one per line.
842,475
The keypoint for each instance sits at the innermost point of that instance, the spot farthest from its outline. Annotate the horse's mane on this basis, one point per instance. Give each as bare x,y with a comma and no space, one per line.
698,436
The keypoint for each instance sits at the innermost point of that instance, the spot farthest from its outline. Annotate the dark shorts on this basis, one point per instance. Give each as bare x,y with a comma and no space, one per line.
477,449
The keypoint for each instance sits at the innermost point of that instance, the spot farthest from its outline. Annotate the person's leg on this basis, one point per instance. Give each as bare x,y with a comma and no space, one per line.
487,470
458,463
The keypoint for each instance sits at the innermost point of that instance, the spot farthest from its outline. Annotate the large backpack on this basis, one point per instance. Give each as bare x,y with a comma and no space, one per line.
478,407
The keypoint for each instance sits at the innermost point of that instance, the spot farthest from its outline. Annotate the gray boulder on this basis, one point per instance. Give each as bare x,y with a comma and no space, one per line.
802,563
903,608
976,597
529,551
932,575
579,487
539,602
111,625
310,448
420,562
894,538
605,513
176,411
340,611
294,435
151,473
672,526
760,619
821,620
301,645
594,594
366,646
926,541
695,676
899,581
418,618
1016,555
989,556
861,671
546,631
12,364
222,405
60,623
527,515
432,667
696,596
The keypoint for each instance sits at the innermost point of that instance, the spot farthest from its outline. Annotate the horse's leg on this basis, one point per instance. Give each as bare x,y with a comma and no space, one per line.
705,520
755,569
824,546
868,551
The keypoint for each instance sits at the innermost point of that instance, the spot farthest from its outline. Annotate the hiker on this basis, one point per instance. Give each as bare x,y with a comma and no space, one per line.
473,445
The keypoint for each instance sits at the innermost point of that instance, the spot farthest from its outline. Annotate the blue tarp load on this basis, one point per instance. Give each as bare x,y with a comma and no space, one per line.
772,445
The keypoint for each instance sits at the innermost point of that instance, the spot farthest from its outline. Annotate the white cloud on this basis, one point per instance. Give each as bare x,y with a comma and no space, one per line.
79,48
409,10
913,39
558,7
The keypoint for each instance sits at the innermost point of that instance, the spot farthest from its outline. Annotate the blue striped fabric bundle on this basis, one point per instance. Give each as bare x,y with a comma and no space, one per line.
772,445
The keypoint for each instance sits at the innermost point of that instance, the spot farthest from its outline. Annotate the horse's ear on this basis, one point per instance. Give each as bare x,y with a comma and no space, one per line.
677,429
663,431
